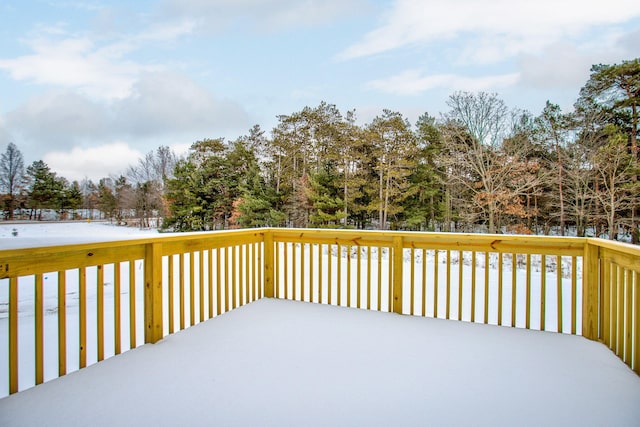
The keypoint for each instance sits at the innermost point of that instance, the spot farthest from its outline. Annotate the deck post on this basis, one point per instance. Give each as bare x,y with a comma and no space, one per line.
13,335
590,284
398,254
269,266
153,331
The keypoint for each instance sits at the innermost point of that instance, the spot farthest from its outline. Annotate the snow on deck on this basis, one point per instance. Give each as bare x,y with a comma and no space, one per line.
276,362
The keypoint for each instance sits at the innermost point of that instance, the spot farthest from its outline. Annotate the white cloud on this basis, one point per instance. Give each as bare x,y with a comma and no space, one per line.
560,65
93,163
4,132
181,149
76,62
59,119
5,136
631,42
160,105
166,32
506,27
265,15
97,67
307,93
163,109
414,82
567,64
163,103
82,5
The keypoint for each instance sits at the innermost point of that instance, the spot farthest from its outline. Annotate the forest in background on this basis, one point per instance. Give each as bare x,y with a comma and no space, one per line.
478,167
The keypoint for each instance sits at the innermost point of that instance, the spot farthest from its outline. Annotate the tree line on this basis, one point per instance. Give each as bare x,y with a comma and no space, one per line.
135,196
480,166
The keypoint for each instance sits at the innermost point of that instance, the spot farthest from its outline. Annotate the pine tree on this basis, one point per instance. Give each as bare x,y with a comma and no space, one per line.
424,207
393,150
44,189
70,198
187,209
107,202
553,128
615,90
327,206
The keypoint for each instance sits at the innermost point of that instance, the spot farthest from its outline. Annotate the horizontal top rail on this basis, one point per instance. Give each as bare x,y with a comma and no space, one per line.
40,259
33,260
622,254
460,241
43,259
491,242
622,247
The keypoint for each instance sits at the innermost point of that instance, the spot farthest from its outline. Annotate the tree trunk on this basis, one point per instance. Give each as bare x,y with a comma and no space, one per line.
380,221
346,186
386,200
612,214
560,189
635,235
492,213
447,204
278,175
528,210
432,224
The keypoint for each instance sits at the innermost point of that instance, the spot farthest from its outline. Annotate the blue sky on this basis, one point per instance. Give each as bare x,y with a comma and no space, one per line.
89,86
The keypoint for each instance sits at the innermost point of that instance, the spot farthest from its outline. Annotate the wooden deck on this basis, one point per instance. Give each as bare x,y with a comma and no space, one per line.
276,362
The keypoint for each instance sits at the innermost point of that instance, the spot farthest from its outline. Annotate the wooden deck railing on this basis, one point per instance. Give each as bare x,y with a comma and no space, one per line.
107,295
169,283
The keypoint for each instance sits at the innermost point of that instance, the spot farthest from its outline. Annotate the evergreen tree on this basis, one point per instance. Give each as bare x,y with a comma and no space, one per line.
187,211
327,205
553,129
615,91
206,185
424,206
44,189
70,198
393,149
351,164
256,201
107,202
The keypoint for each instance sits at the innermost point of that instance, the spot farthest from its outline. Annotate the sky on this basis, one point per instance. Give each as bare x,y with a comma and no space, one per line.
89,86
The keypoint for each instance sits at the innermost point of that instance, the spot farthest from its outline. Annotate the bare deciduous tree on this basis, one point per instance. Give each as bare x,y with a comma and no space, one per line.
473,158
614,165
11,176
148,178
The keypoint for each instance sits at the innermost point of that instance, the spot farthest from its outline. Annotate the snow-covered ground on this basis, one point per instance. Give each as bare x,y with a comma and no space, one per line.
276,362
31,234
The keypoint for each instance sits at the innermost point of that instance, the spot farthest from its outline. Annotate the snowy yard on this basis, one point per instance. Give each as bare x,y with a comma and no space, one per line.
30,234
276,362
